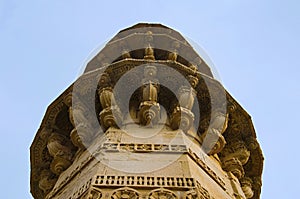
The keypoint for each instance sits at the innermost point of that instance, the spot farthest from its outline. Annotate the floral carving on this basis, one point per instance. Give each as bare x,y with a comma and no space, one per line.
125,193
192,194
162,194
203,193
94,193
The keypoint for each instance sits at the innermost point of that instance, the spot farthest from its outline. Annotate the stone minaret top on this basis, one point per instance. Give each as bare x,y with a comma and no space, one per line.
146,119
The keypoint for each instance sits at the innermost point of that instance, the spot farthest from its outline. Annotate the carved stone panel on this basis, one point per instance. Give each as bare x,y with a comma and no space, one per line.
125,193
162,194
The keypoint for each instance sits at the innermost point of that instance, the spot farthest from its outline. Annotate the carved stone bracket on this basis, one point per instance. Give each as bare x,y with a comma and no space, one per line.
149,107
213,140
182,116
125,51
47,181
81,136
172,56
111,115
246,184
234,156
59,148
149,53
80,118
234,166
82,188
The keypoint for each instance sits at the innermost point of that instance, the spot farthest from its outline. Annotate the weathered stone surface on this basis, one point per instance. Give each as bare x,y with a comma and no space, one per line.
146,120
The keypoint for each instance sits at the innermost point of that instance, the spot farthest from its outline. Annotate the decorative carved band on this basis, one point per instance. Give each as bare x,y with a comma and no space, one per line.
144,181
207,169
203,193
90,189
127,184
199,193
136,147
79,191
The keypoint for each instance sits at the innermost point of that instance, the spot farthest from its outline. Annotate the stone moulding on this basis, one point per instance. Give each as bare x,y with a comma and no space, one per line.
144,181
239,119
57,143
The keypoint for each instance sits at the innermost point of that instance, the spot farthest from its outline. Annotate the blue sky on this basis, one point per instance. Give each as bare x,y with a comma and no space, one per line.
253,44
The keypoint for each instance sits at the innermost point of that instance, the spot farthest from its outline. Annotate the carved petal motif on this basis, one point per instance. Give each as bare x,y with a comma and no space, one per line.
94,194
191,195
162,194
125,193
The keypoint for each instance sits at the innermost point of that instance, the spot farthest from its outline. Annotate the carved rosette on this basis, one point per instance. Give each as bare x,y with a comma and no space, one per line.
93,193
192,194
162,193
125,193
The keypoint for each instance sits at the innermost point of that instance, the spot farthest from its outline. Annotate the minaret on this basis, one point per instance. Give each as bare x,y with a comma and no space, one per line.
146,120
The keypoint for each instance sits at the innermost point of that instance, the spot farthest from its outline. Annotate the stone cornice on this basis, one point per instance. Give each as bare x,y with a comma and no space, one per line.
57,143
